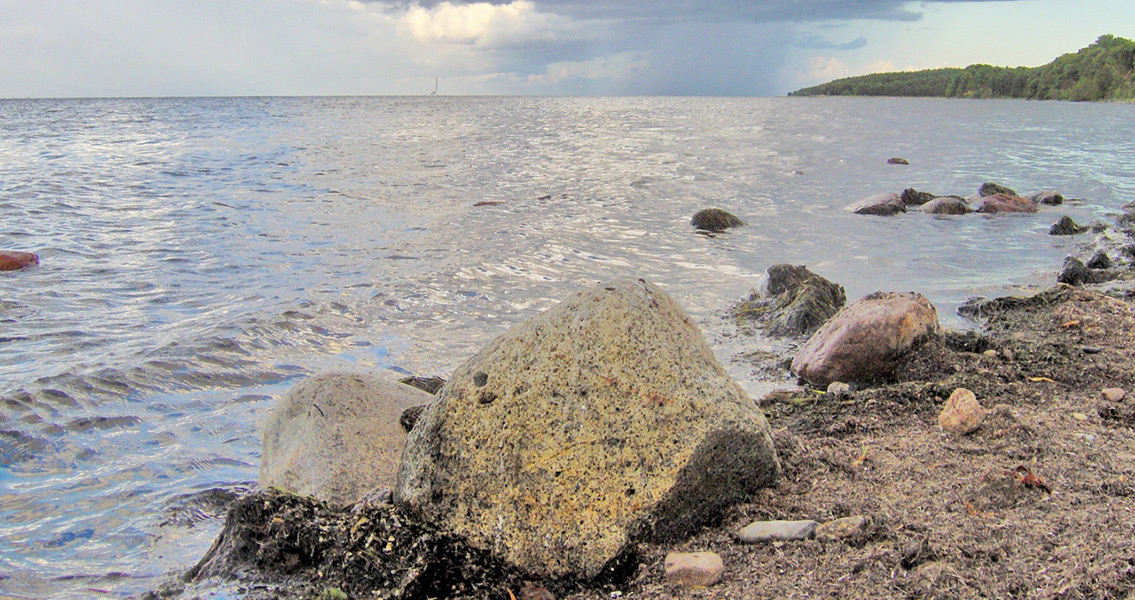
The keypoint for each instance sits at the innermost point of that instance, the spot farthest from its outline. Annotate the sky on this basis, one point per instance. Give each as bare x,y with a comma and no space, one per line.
85,48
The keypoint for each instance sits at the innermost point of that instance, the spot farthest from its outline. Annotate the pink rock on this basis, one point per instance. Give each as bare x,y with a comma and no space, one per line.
693,569
1114,394
11,260
961,414
882,205
862,342
1002,203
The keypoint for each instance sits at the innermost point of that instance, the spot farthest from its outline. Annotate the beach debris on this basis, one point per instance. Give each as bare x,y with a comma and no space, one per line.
11,260
1113,394
774,531
864,341
715,220
1028,479
337,436
791,301
842,528
615,380
1066,226
961,414
693,569
883,205
488,203
896,160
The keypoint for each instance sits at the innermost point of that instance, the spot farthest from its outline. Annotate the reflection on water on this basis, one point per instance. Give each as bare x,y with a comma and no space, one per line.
200,255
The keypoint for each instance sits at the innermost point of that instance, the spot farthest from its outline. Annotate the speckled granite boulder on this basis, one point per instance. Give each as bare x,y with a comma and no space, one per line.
863,341
602,422
337,436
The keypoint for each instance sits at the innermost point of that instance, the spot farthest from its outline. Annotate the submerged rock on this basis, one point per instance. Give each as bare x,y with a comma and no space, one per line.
1047,198
863,342
992,189
791,300
715,219
896,160
336,436
604,421
883,205
1066,226
947,205
11,260
1003,203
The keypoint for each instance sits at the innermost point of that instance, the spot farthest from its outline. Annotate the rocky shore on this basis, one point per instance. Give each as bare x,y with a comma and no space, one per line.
599,451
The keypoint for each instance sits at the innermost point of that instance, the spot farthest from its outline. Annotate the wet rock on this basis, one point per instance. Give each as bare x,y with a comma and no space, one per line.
913,197
11,260
774,531
883,205
842,529
429,385
693,569
947,205
1066,226
715,219
790,300
610,422
1002,203
1047,198
865,340
961,414
1113,394
991,189
1099,260
897,161
336,436
1075,272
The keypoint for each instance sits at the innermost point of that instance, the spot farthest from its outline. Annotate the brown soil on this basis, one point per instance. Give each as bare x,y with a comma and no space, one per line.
948,516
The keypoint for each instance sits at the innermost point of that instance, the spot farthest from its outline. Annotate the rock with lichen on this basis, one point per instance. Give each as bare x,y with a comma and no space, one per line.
598,424
790,301
715,219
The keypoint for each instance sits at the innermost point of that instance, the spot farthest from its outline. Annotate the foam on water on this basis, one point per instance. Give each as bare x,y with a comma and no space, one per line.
198,256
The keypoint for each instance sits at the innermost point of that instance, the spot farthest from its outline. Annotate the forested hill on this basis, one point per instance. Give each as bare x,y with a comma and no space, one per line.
1102,71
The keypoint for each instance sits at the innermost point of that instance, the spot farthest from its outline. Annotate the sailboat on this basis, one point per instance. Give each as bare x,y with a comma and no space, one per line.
434,93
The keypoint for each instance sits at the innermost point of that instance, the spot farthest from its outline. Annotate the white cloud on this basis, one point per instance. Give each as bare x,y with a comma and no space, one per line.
826,68
882,66
482,23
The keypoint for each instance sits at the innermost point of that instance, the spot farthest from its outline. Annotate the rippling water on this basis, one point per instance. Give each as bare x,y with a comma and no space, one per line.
198,256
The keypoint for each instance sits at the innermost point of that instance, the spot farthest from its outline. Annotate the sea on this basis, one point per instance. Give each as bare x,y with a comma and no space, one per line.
199,256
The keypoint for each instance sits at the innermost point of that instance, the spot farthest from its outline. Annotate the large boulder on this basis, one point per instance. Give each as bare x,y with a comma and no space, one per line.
715,219
881,204
913,197
1002,203
863,342
947,205
598,424
337,436
791,301
11,260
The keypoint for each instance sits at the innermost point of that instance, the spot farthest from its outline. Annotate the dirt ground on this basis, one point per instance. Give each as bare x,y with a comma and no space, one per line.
1038,503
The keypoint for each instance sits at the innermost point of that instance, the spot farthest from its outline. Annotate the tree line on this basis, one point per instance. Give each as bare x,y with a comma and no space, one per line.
1102,71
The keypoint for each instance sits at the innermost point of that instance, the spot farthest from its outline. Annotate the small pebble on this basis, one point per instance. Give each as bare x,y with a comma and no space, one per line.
693,569
841,529
991,353
840,390
961,414
1079,416
1114,394
771,531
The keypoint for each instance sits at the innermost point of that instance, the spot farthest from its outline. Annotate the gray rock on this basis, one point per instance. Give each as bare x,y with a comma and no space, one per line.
990,189
947,205
1047,198
598,424
1075,272
790,301
896,160
913,197
774,531
1066,226
1099,260
864,341
883,205
336,436
715,219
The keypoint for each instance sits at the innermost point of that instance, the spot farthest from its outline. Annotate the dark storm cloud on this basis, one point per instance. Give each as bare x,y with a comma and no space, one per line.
719,11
